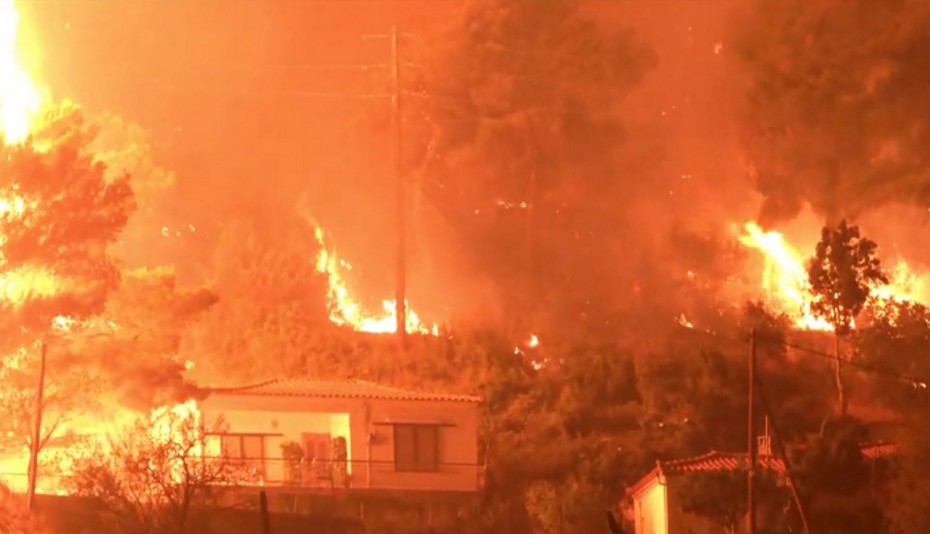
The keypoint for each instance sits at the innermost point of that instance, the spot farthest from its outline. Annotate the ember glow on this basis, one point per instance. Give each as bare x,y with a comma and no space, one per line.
19,97
786,286
346,311
682,319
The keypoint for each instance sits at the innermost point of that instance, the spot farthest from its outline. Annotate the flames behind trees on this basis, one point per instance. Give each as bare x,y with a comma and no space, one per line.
786,286
346,311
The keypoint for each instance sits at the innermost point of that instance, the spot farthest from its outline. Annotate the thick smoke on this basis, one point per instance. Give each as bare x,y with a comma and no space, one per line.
836,109
255,120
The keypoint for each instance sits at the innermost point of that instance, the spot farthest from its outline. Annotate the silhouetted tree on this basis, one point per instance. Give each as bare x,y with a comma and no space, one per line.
720,496
841,274
896,338
163,475
834,480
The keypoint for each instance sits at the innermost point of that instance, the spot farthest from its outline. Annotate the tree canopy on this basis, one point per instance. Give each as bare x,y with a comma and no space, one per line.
842,273
60,214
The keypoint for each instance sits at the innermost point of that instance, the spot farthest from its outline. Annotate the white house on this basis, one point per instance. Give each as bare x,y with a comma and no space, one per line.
353,435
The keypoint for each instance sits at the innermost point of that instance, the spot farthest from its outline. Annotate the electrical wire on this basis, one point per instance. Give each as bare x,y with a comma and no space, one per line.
766,407
920,383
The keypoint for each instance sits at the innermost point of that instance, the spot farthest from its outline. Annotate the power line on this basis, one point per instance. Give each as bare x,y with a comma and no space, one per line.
916,382
324,66
258,92
776,434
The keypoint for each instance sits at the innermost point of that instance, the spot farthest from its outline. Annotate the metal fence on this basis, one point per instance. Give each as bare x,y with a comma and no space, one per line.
317,473
311,474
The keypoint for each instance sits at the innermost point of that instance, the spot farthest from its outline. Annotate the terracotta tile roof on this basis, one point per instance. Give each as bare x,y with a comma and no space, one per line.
343,389
881,449
717,461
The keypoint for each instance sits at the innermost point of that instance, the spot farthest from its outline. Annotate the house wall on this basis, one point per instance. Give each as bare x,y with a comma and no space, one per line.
649,510
368,424
458,444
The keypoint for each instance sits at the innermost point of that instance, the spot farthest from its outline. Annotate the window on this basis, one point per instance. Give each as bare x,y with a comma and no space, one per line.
416,447
246,449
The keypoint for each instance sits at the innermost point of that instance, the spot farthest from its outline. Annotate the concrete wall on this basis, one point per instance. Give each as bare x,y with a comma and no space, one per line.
367,426
458,444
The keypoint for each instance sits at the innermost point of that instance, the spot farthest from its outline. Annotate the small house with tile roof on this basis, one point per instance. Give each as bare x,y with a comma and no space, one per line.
655,507
349,435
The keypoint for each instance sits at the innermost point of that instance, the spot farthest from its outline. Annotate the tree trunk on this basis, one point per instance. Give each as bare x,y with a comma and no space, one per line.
838,369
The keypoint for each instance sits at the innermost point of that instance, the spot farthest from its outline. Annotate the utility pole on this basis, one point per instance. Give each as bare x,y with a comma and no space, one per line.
400,285
751,472
36,433
263,511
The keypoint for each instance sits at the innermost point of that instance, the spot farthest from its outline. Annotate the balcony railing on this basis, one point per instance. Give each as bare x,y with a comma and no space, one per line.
313,475
358,474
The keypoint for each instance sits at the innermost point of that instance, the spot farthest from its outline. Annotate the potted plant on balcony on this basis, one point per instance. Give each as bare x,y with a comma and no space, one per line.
293,455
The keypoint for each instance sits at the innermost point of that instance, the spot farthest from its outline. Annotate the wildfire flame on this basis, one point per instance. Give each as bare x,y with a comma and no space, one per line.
19,98
345,311
20,102
786,285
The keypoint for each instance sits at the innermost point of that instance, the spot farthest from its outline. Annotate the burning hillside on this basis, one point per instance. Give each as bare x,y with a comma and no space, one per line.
346,311
785,284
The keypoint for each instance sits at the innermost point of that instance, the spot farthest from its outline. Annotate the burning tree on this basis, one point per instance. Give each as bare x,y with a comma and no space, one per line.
145,317
159,476
842,273
58,213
